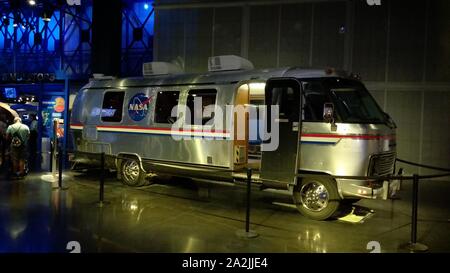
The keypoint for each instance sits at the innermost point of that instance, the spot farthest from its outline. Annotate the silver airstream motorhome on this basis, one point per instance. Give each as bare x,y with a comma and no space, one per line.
326,123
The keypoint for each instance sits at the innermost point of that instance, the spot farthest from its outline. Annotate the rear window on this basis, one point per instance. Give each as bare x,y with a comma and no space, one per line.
112,106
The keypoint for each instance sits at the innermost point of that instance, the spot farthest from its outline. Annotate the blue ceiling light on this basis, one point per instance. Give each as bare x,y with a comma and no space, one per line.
146,6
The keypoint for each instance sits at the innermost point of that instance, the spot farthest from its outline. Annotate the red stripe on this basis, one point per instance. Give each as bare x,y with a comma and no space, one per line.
368,137
156,128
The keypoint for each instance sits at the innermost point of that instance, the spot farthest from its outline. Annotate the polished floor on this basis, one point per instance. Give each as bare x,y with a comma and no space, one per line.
179,216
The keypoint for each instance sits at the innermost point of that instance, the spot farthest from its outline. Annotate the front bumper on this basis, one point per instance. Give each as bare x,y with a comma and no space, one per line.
349,188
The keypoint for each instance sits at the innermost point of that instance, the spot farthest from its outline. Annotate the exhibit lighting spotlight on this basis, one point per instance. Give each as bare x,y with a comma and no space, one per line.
17,20
5,21
31,2
146,6
47,14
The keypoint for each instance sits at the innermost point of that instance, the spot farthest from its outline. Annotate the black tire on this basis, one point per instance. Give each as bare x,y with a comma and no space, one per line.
132,174
324,200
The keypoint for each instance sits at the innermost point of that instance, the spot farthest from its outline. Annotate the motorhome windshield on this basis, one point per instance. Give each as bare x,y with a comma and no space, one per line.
351,100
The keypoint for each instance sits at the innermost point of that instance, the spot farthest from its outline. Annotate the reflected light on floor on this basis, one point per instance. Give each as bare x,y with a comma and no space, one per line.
51,178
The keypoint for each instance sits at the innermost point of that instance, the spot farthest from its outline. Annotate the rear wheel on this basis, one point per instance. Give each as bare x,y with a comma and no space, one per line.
132,174
317,198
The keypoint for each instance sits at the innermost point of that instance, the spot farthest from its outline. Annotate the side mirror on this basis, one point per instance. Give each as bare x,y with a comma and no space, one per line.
328,111
328,115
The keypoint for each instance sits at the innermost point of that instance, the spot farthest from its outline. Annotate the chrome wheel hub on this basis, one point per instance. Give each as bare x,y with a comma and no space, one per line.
131,170
314,196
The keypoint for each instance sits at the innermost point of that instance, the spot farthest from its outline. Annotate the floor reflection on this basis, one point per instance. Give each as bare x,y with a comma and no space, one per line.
35,218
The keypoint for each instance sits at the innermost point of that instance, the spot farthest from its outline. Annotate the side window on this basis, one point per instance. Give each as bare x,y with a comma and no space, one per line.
203,99
112,106
165,102
288,101
313,101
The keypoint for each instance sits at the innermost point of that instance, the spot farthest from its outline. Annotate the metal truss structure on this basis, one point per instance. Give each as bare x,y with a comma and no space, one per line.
137,36
36,40
62,44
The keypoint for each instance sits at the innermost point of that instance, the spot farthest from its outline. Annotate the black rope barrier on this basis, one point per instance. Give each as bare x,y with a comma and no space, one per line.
413,245
356,177
422,165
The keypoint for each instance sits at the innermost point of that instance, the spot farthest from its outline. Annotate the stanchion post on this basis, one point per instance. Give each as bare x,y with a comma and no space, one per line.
249,191
415,198
60,166
60,160
102,178
413,245
247,233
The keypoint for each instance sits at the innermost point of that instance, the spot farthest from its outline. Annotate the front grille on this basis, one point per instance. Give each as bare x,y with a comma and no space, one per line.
382,164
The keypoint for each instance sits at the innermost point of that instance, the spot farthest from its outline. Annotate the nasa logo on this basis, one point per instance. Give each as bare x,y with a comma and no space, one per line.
138,107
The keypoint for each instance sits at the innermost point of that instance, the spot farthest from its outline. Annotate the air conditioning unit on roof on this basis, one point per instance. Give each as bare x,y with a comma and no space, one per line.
160,68
228,63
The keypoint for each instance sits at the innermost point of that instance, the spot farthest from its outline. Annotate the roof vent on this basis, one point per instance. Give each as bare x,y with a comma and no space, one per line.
160,68
101,77
228,62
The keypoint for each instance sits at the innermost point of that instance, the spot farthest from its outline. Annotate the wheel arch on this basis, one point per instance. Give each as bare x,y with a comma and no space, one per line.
120,157
314,173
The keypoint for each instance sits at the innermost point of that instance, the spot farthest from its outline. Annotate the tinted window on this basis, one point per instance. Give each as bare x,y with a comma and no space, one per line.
204,99
112,106
288,101
352,101
314,98
165,102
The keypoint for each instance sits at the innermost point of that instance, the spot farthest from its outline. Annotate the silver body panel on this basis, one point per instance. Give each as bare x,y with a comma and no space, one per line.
348,156
149,145
347,151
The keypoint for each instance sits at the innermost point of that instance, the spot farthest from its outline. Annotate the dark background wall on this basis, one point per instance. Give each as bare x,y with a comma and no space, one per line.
106,37
401,49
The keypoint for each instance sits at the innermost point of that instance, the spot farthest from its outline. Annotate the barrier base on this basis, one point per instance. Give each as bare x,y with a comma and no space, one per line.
60,189
101,204
242,233
416,247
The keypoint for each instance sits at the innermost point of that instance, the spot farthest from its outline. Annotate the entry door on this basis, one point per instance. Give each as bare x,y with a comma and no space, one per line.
280,164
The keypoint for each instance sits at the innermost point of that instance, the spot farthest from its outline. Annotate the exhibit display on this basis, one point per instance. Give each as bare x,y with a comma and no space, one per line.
144,127
215,135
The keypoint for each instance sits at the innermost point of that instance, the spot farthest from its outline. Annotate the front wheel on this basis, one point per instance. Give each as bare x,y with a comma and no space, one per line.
317,198
132,174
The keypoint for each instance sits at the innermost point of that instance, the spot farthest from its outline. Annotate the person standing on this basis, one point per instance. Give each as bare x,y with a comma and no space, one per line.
3,127
33,142
18,134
